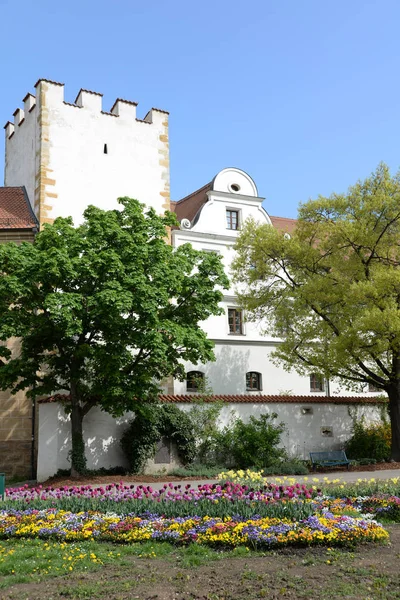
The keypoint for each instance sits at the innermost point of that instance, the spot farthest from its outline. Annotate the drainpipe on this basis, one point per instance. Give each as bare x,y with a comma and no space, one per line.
328,389
33,471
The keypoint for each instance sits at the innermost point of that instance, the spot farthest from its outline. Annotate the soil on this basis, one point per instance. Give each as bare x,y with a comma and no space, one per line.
369,572
132,479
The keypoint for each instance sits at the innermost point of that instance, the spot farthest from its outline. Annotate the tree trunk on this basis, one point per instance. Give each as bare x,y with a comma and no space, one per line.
394,406
78,459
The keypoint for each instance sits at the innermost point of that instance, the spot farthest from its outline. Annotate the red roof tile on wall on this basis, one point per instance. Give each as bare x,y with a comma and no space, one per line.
266,399
249,399
15,209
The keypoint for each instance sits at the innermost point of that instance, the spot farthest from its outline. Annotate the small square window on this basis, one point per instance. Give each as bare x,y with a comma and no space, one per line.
232,219
316,383
194,381
235,320
253,381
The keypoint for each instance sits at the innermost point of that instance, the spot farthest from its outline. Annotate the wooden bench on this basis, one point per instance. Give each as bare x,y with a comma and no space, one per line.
329,459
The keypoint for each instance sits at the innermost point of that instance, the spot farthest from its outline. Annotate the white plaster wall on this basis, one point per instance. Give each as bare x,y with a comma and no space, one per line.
20,155
303,431
227,375
131,167
224,180
102,433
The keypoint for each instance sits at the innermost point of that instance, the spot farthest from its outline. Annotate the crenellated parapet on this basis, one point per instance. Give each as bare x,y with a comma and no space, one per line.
87,100
70,153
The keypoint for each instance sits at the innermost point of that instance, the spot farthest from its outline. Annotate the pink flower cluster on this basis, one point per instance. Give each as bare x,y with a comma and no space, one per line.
119,492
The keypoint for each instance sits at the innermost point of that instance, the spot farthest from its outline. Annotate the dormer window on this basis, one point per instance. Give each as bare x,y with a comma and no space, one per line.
232,219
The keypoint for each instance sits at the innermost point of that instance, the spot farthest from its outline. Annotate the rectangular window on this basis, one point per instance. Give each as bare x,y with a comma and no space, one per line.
235,320
232,219
316,383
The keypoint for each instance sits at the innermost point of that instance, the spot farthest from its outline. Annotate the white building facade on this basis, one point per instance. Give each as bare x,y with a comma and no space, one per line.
210,220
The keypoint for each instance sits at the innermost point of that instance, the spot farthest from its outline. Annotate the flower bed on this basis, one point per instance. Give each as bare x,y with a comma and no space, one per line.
229,532
296,501
334,487
171,501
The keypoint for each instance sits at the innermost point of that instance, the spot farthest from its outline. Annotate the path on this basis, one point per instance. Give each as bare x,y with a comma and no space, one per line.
347,476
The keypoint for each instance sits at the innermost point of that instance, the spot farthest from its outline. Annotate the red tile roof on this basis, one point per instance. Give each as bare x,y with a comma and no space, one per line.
15,209
283,224
249,399
188,207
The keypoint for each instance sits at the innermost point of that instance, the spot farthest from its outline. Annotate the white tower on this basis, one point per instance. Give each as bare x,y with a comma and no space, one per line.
71,155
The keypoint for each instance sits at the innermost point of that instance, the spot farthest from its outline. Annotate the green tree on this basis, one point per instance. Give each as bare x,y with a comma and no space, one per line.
105,311
331,290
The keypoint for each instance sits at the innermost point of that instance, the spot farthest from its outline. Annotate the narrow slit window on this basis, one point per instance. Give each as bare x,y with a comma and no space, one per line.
105,149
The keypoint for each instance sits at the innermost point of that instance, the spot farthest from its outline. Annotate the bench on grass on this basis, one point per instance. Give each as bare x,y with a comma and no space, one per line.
329,459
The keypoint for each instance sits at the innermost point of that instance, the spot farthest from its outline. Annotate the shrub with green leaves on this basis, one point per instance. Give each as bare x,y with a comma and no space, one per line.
286,467
369,441
252,444
204,418
153,422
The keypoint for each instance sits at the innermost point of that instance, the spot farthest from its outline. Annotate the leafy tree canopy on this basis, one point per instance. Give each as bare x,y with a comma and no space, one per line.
331,290
105,310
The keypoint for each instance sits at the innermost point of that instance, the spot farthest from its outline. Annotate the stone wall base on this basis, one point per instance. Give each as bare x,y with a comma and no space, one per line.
15,459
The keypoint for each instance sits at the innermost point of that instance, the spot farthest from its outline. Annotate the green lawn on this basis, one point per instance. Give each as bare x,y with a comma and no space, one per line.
35,569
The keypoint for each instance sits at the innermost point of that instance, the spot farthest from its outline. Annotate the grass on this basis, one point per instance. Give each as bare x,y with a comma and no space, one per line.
35,560
107,572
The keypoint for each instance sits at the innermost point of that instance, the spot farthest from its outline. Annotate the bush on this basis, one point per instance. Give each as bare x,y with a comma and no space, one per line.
367,461
255,443
152,423
198,470
286,467
204,418
371,441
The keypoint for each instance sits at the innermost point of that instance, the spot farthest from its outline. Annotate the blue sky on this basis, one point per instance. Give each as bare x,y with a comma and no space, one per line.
303,95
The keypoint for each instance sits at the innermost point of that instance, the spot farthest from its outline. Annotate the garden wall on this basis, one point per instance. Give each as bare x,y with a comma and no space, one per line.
311,424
